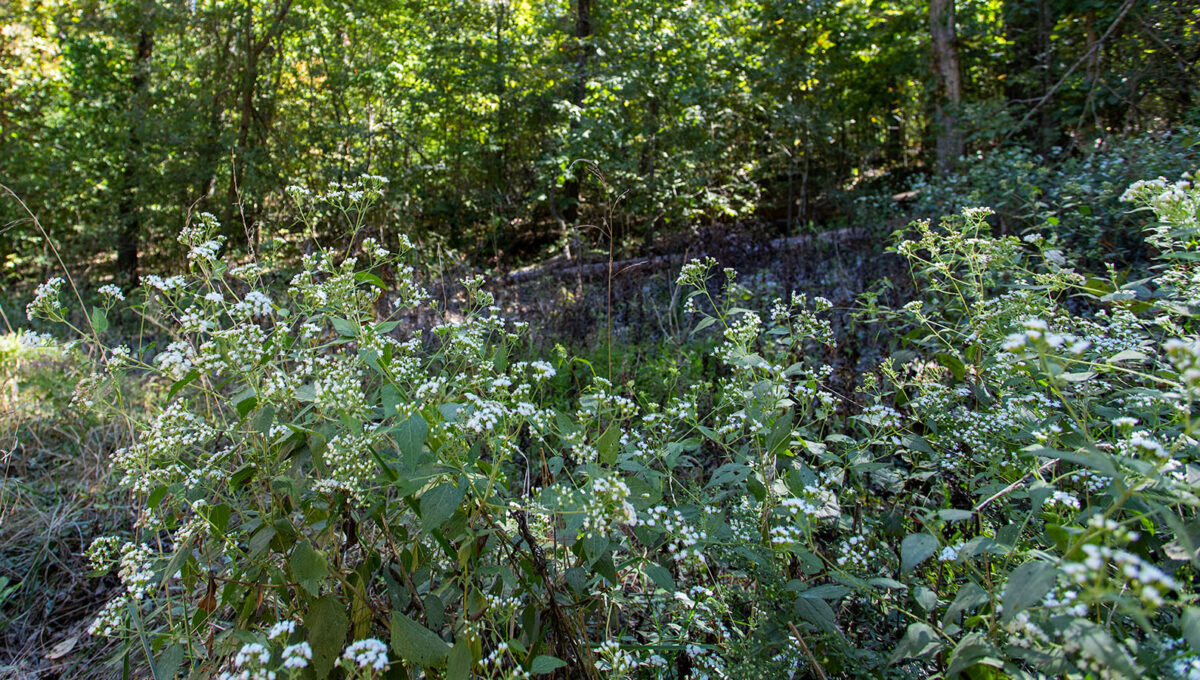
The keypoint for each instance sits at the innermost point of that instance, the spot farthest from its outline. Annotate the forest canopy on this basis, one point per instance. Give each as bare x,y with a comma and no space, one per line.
121,119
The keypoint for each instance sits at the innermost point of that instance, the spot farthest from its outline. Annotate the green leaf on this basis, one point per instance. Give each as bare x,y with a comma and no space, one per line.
972,650
704,323
439,503
182,383
1096,643
169,662
915,549
245,402
660,575
969,596
345,328
606,446
1027,585
416,643
956,366
458,665
410,438
546,664
327,627
308,566
99,320
368,277
1191,627
919,640
817,612
925,598
1127,355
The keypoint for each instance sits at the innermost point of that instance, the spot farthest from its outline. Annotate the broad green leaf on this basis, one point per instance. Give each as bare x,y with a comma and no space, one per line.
919,640
410,438
660,575
327,627
458,664
309,567
416,643
915,549
99,319
972,650
439,503
606,445
546,664
182,383
1026,586
170,661
1190,625
817,612
345,328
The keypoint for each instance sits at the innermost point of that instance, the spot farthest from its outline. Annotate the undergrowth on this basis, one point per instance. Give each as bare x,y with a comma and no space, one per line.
1010,493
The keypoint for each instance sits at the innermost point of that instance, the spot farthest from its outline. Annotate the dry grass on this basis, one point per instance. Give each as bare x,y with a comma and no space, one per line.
53,501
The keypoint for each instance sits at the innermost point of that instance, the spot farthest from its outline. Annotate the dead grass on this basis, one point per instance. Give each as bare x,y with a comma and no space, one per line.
53,501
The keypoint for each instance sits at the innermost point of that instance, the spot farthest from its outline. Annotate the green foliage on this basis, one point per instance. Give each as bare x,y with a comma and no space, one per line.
1010,493
122,118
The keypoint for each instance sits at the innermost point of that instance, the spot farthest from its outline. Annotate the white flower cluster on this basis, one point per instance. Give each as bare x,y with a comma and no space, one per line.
351,465
1036,332
695,272
372,247
33,339
368,653
607,506
252,660
1145,580
114,293
484,414
540,370
281,629
156,458
255,304
1185,356
297,656
615,660
112,619
1062,499
176,360
337,385
46,303
232,350
164,285
857,551
136,570
684,541
410,294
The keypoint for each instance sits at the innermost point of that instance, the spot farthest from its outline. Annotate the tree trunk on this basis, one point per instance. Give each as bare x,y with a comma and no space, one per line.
583,30
948,97
1027,28
129,211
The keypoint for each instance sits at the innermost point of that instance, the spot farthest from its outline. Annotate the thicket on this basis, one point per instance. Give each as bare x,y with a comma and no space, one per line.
1010,493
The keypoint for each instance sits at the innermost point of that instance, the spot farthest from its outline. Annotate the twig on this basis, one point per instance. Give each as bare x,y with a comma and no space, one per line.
807,652
1014,485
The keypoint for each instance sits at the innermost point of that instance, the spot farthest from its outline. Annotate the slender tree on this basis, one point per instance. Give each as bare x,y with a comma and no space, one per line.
129,207
948,83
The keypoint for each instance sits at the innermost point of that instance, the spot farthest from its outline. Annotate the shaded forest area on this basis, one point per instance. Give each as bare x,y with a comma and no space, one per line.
403,339
507,128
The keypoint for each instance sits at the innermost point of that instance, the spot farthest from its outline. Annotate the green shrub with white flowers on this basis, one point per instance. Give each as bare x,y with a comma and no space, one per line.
1012,493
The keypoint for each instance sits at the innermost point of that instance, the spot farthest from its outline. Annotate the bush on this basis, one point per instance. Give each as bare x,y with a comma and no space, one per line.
1011,493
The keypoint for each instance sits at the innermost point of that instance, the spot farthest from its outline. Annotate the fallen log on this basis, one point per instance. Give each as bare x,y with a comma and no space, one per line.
559,267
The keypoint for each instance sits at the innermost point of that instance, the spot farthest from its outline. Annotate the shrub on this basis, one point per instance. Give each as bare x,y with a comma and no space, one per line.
1012,492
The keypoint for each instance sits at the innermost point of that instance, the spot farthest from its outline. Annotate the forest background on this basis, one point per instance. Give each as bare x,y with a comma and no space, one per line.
537,143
